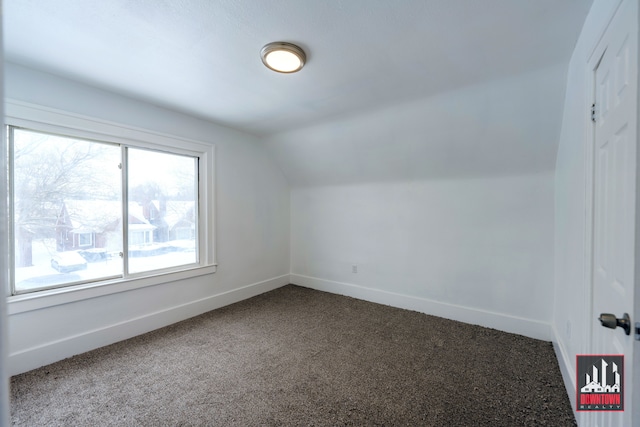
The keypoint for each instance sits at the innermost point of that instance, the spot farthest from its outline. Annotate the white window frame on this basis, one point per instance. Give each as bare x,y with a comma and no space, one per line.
44,119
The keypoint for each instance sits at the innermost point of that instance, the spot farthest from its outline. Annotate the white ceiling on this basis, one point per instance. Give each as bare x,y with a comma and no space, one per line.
202,56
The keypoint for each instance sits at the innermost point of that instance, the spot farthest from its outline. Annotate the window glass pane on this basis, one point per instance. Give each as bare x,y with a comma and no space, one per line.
67,215
163,210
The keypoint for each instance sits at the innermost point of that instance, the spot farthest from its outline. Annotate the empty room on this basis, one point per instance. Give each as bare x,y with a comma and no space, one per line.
294,212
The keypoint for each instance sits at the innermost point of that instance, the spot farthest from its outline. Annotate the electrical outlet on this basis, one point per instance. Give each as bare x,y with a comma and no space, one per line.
354,269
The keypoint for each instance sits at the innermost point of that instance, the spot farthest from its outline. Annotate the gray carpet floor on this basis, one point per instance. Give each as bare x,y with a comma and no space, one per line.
299,357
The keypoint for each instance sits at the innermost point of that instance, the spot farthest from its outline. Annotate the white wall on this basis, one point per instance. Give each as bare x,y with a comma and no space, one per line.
252,223
445,204
475,250
572,311
4,338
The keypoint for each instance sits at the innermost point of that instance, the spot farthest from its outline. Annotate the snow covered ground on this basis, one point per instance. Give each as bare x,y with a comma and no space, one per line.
42,275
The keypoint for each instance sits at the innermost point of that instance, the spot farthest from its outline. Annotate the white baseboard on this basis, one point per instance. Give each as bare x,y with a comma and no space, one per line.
567,369
504,322
50,352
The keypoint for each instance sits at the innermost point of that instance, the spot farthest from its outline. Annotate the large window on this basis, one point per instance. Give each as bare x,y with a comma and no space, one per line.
87,208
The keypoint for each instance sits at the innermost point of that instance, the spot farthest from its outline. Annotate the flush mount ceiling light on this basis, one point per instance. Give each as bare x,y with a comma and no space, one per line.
283,57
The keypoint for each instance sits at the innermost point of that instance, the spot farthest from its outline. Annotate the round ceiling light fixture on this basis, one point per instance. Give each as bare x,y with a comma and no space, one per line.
283,57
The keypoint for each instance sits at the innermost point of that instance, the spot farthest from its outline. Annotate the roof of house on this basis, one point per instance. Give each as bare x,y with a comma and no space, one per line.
98,215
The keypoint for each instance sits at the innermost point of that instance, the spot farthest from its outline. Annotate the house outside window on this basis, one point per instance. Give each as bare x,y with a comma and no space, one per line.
139,237
75,197
184,233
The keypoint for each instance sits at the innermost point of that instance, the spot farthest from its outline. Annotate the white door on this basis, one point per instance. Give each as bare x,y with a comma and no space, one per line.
614,201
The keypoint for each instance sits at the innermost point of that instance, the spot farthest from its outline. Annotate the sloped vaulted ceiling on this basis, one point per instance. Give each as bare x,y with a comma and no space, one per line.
504,127
392,90
202,56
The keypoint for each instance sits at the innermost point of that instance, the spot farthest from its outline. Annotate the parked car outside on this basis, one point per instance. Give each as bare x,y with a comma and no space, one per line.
94,254
65,262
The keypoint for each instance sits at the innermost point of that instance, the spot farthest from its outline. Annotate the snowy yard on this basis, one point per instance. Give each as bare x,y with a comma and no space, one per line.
42,274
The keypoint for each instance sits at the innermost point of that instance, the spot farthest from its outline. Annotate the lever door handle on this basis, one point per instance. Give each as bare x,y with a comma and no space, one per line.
609,320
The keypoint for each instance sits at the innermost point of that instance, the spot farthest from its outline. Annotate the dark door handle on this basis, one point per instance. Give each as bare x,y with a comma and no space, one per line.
609,320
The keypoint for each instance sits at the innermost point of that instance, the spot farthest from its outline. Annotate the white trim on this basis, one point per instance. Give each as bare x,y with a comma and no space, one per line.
4,268
50,352
567,369
605,26
47,119
595,56
589,192
504,322
49,298
88,127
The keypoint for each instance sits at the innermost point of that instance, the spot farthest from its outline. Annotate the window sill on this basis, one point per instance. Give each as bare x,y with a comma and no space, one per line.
50,298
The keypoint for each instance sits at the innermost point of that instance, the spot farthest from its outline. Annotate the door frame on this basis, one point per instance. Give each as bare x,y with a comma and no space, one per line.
597,53
632,386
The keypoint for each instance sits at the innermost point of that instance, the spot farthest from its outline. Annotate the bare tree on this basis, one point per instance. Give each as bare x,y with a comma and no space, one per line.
49,169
